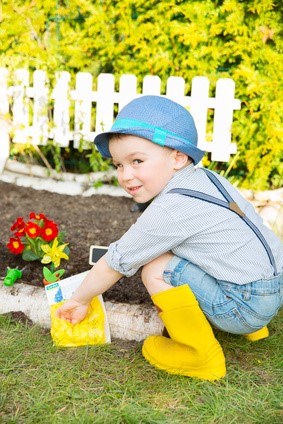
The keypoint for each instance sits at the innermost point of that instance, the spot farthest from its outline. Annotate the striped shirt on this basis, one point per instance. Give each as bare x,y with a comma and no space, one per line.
212,237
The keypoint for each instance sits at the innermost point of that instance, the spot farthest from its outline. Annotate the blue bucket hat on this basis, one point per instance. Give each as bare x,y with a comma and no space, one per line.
159,120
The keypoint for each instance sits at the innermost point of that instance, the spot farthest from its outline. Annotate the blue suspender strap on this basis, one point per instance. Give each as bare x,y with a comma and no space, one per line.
230,204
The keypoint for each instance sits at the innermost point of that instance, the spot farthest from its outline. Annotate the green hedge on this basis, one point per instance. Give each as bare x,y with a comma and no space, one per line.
233,38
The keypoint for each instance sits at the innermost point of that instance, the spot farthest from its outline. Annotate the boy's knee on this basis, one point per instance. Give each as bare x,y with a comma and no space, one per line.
153,270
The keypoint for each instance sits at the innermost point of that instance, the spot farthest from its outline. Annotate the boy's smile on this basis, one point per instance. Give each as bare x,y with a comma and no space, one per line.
144,168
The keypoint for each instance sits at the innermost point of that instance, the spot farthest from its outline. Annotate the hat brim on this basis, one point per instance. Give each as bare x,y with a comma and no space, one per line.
102,143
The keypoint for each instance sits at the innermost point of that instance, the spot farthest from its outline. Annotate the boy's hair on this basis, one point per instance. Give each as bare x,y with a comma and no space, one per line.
159,120
119,136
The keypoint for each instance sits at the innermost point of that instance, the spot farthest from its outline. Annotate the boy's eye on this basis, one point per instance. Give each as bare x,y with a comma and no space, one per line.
137,161
116,165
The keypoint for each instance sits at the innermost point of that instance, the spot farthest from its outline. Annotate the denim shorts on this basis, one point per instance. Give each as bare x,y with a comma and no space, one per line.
234,308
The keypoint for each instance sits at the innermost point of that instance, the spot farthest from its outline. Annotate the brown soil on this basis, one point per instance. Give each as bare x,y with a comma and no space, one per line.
97,220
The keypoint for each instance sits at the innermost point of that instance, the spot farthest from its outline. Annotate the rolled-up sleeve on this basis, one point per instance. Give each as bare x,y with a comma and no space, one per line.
153,234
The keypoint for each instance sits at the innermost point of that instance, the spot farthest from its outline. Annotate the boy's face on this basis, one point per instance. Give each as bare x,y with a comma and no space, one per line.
144,168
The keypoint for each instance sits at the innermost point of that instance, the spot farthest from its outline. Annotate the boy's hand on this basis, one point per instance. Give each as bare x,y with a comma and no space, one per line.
72,311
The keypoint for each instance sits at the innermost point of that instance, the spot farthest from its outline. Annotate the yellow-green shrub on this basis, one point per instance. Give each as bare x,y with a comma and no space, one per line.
231,38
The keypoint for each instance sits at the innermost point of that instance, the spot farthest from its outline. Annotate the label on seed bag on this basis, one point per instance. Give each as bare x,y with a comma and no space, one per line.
63,289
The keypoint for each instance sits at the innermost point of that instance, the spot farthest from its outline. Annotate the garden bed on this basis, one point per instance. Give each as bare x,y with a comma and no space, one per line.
87,218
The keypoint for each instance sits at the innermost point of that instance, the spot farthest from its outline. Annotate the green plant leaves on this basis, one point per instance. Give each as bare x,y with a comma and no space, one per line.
29,255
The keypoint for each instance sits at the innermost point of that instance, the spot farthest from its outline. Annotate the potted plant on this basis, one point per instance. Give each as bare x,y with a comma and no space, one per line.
51,277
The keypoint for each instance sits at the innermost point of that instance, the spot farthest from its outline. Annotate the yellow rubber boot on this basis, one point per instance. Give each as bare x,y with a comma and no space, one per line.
263,333
192,350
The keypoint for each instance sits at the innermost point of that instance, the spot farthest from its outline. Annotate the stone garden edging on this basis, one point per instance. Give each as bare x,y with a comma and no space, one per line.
40,178
126,321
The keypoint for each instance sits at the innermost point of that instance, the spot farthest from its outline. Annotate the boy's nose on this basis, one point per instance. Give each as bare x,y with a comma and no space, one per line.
127,173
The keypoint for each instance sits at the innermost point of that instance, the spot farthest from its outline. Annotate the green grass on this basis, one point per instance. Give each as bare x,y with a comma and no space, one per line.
40,383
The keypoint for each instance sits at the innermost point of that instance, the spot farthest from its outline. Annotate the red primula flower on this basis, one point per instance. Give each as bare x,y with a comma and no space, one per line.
32,239
18,224
38,217
32,230
49,231
15,245
20,233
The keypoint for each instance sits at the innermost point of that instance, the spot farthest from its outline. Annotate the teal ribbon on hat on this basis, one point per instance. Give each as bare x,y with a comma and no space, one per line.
159,136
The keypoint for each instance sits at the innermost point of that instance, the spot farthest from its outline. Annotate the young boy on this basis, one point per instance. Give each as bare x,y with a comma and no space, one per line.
207,258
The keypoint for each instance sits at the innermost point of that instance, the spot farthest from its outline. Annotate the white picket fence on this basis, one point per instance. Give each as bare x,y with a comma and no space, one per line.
31,107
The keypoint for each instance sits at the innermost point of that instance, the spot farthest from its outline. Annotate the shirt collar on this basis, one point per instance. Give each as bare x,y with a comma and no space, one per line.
178,178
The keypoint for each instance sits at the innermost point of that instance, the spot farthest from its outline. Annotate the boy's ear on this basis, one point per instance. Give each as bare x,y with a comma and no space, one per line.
181,159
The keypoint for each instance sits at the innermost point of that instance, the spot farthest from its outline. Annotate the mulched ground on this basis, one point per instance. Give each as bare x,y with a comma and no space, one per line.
96,220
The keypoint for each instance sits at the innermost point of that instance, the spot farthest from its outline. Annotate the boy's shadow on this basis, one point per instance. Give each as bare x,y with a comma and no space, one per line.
139,207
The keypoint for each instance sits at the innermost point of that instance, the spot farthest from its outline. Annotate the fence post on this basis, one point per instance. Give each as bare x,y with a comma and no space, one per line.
105,101
83,107
175,89
223,118
21,106
127,89
4,126
61,118
198,108
151,85
40,108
